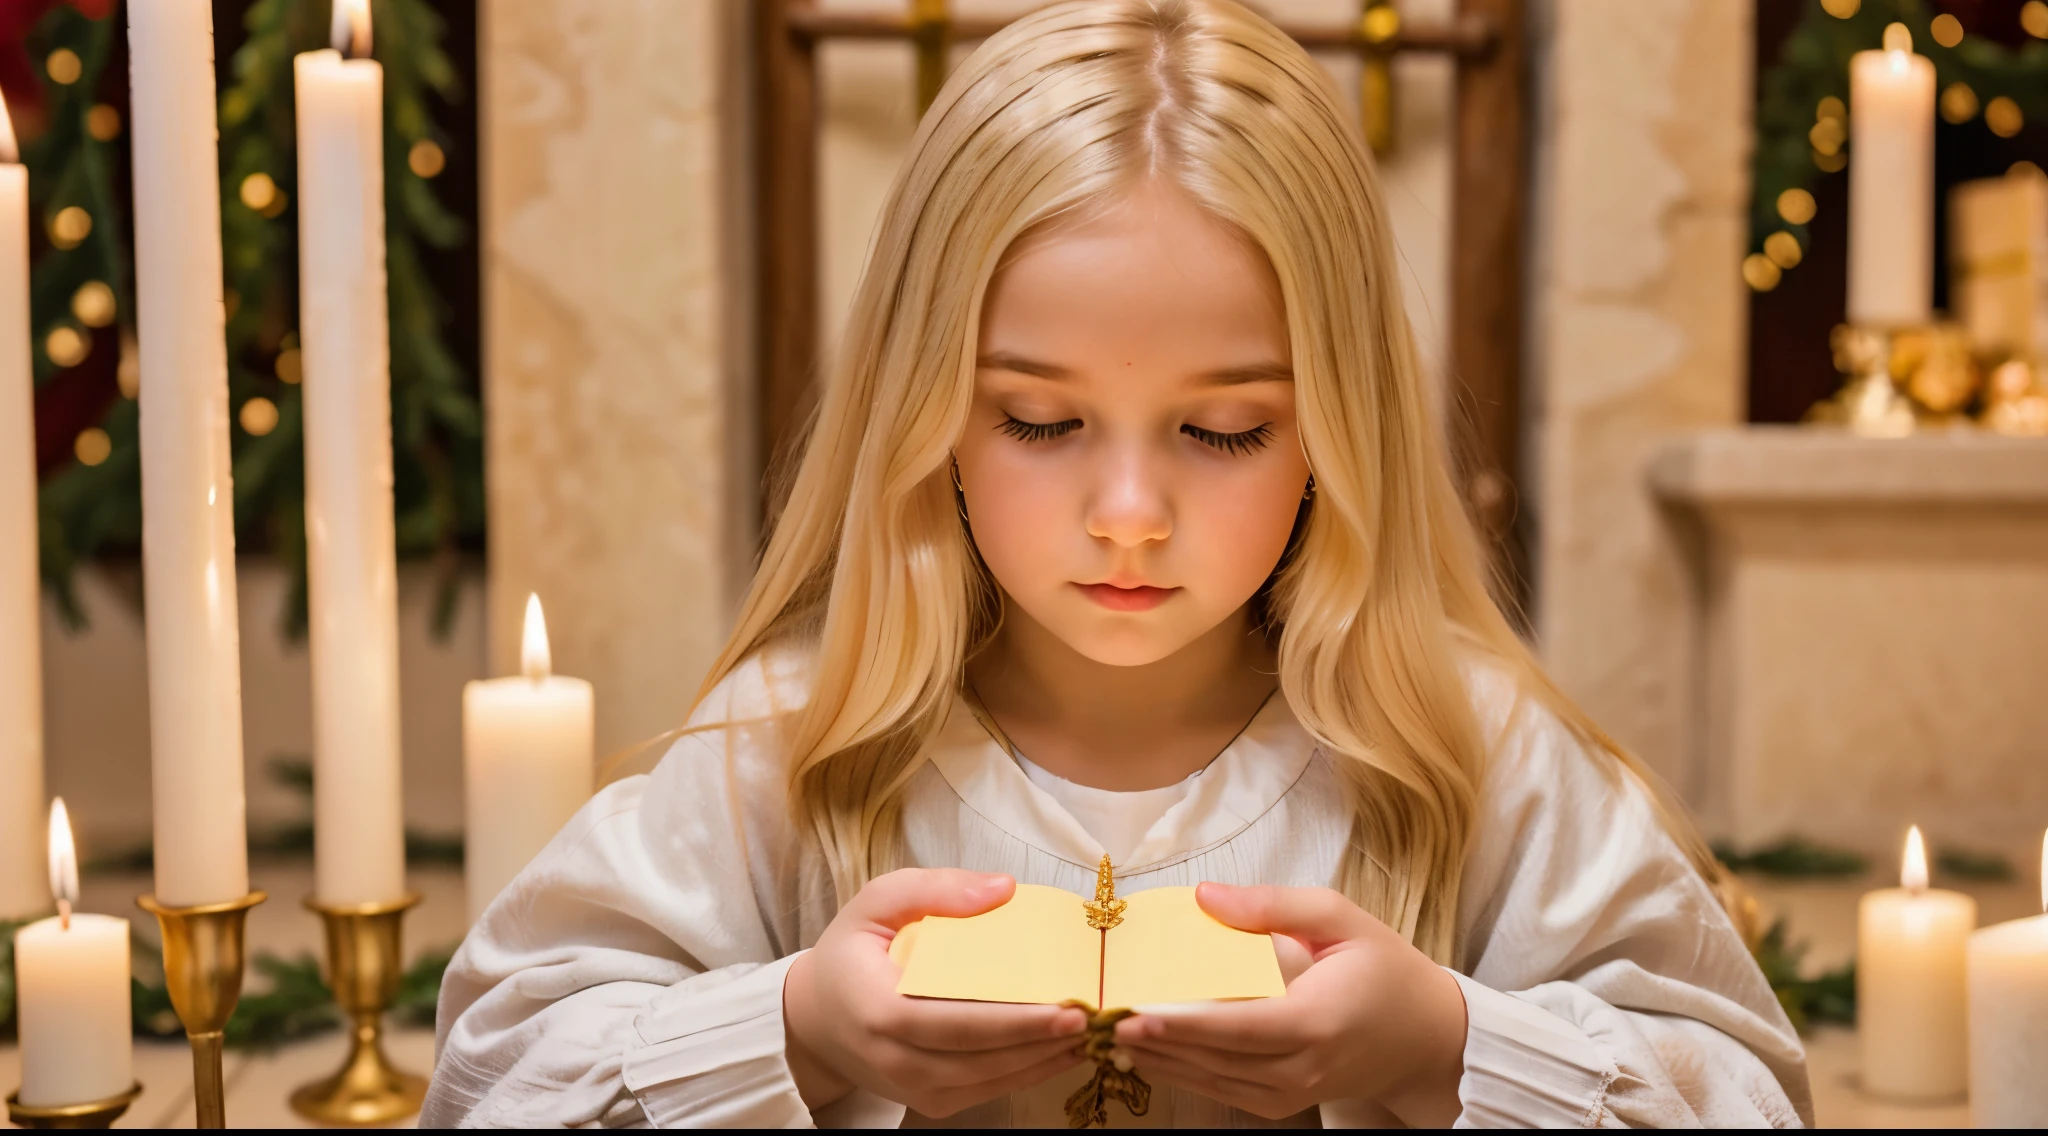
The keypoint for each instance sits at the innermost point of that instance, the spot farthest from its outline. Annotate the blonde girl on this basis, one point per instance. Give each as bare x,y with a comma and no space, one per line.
1124,528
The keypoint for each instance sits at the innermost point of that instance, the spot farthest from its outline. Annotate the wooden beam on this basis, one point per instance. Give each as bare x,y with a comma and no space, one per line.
1488,206
1468,36
786,238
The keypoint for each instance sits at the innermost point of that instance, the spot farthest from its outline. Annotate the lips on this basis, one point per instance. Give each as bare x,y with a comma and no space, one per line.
1141,598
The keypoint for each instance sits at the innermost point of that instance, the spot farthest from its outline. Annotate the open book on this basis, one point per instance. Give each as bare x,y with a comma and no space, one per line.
1051,946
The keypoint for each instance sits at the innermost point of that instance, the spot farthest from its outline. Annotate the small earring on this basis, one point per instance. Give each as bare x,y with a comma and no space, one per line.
1308,494
960,497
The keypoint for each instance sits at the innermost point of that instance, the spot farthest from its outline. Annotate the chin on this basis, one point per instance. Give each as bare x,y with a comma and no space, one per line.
1126,646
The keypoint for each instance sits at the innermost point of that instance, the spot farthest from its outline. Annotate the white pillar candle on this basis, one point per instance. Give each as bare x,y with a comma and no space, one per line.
2008,984
1909,984
351,558
528,748
21,663
188,498
1891,184
71,990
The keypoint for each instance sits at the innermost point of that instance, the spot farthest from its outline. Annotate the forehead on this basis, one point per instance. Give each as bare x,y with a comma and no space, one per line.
1151,279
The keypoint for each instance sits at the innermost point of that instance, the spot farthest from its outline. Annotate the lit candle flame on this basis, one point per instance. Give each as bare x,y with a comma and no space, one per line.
63,862
9,152
1913,871
1898,37
349,30
534,661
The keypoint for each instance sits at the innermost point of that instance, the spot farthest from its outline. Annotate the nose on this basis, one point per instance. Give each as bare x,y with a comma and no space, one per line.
1130,504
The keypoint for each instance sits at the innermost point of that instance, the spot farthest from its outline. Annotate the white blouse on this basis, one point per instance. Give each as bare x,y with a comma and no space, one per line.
632,974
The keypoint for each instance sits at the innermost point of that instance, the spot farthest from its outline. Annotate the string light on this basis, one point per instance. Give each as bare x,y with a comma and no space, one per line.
70,227
1948,31
1827,136
1797,206
2004,118
92,446
426,158
2034,18
1759,273
1830,163
1958,103
64,66
93,304
258,191
259,416
1831,107
128,372
103,123
1783,249
66,345
288,366
1841,9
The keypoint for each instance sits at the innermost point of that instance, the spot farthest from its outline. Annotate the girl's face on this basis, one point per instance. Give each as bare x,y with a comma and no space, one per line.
1131,465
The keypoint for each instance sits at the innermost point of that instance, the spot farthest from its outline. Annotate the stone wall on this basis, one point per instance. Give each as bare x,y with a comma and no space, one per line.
1637,325
616,388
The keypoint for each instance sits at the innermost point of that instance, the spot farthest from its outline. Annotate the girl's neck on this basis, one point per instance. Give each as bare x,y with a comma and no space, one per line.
1122,728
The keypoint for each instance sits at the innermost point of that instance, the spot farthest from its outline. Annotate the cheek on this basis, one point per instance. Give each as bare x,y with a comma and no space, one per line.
1237,526
1023,516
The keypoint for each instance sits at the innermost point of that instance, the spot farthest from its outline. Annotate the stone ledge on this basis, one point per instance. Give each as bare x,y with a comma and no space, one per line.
1774,465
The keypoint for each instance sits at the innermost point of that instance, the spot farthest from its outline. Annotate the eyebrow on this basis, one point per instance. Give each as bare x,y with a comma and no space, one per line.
1222,376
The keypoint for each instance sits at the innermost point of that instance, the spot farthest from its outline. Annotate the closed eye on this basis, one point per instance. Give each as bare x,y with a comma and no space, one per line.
1242,442
1037,431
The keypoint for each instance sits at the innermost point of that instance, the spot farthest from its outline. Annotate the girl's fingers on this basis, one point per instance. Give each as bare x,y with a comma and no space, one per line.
953,1027
1163,1069
953,1100
1260,1069
1318,917
965,1070
1269,1026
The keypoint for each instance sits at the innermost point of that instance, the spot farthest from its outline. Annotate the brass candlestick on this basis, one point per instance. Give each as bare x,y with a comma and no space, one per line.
91,1114
203,972
364,962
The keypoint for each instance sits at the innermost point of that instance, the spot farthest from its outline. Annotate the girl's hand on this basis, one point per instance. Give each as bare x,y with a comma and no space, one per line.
1370,1017
846,1026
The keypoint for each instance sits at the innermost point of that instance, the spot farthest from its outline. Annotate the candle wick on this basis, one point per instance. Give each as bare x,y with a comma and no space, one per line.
63,914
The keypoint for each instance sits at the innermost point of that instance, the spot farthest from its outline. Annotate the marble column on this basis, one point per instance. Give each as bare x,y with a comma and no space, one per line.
616,396
1638,325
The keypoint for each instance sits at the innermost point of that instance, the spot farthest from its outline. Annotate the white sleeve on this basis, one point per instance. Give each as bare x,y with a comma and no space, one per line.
632,974
1604,985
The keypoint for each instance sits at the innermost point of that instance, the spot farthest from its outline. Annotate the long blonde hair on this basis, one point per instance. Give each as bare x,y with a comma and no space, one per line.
871,571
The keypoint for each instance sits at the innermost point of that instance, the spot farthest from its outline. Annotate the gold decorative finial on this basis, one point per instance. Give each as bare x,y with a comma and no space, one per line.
1107,910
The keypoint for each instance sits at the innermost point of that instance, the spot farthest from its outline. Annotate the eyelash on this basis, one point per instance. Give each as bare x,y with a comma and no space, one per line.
1243,442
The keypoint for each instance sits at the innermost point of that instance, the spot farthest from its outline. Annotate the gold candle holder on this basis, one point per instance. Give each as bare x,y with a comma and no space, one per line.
91,1114
203,972
364,963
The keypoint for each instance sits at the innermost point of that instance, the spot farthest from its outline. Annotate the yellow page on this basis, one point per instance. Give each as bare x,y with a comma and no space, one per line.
1168,949
1037,948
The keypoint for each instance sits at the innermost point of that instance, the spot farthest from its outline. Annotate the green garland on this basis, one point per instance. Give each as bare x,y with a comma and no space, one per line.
436,423
1813,66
